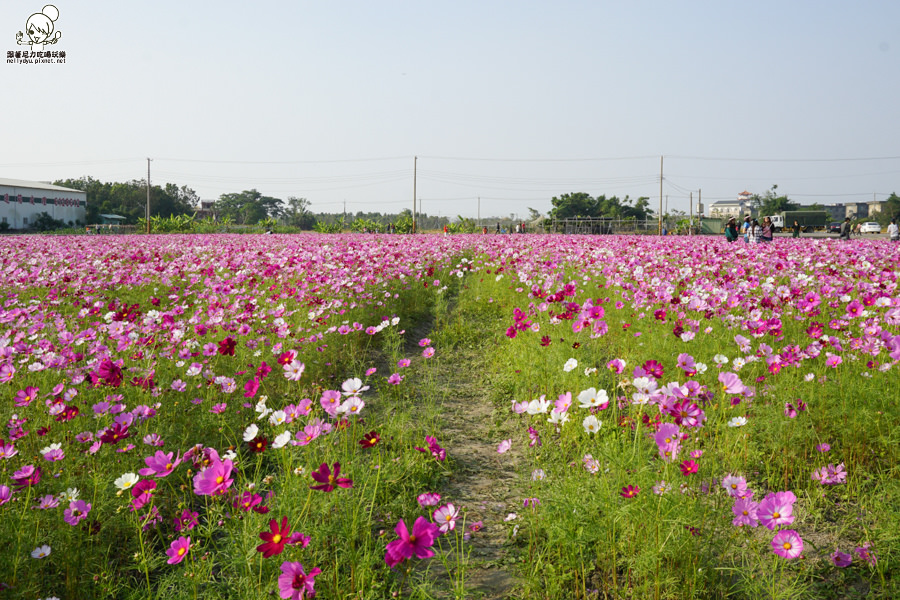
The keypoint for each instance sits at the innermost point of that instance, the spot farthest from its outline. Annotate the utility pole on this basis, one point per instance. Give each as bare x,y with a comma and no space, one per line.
691,214
700,210
345,211
415,161
148,195
660,194
479,211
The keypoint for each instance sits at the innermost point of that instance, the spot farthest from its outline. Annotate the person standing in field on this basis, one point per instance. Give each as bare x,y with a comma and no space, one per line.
796,229
731,232
765,235
894,231
754,232
845,229
745,229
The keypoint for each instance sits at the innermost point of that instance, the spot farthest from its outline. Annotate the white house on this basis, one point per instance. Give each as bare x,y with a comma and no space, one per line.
22,201
725,209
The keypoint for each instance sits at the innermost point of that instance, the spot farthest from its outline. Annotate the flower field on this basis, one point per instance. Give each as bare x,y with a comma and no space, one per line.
362,416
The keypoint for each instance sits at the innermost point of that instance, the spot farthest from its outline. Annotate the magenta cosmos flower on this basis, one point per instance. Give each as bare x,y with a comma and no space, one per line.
215,479
160,464
27,476
328,478
77,511
418,543
295,583
787,544
178,550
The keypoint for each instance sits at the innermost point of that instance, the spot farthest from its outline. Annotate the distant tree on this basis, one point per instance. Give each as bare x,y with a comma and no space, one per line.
533,215
771,203
249,207
568,206
298,214
129,199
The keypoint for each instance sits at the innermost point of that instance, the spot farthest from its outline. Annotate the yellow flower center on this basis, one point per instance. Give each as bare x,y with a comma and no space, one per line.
181,552
168,466
787,546
276,538
745,513
220,479
448,517
734,486
412,539
331,479
776,515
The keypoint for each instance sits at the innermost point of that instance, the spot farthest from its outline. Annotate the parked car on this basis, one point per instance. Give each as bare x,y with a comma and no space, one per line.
870,227
835,227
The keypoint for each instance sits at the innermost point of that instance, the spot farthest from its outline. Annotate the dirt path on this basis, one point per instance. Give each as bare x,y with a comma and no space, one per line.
483,481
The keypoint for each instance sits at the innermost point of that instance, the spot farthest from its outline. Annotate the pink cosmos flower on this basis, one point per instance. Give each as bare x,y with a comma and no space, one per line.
630,491
219,408
731,383
178,549
295,583
745,511
865,553
787,544
445,517
5,494
504,446
688,467
403,363
667,440
215,479
78,510
25,397
142,492
841,559
777,509
160,464
187,520
418,543
395,379
27,476
735,485
428,352
428,499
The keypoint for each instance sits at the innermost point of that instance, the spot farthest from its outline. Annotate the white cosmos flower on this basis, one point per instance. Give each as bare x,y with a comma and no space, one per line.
591,424
51,448
251,432
281,439
700,367
720,359
558,418
570,365
126,481
353,387
809,376
590,398
539,406
70,495
41,551
737,422
277,418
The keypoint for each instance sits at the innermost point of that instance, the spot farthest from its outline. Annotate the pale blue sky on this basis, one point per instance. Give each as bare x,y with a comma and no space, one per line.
268,88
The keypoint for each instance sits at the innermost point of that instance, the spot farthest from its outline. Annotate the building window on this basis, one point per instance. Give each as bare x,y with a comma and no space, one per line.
25,221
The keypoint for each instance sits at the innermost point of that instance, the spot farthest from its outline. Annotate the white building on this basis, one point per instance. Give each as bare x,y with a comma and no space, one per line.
725,209
22,201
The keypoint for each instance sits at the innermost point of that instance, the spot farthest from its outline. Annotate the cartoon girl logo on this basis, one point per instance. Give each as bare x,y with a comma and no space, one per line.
39,27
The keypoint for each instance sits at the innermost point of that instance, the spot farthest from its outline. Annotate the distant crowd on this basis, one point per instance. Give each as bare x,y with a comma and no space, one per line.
753,232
